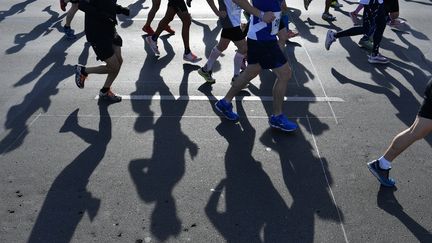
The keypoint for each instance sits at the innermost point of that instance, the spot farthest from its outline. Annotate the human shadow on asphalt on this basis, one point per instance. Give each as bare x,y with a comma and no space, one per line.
387,201
68,198
39,97
134,9
15,9
254,210
42,29
210,40
404,101
304,29
156,177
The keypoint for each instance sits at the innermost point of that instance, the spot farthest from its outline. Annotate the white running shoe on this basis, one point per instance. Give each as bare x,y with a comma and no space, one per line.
378,58
153,45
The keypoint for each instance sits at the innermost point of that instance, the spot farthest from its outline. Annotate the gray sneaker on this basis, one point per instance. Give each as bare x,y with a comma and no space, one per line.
109,96
330,38
153,45
378,58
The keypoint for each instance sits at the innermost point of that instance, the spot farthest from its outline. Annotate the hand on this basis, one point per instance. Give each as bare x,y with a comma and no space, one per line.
222,14
268,17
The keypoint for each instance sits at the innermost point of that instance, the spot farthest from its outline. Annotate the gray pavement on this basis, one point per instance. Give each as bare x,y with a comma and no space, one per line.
162,166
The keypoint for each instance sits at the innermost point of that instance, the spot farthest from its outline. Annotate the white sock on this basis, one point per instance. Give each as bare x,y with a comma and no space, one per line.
214,55
238,61
384,164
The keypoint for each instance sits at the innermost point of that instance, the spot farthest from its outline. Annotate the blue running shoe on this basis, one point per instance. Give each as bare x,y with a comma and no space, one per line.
381,174
70,33
226,109
281,122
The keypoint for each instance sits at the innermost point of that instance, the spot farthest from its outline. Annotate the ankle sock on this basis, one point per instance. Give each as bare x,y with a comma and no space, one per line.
384,164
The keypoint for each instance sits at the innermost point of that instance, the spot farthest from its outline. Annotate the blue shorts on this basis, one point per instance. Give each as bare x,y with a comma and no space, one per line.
265,53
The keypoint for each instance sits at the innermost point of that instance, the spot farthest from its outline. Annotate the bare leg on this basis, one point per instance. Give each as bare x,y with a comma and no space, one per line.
418,130
283,74
186,22
249,73
71,13
152,12
111,68
169,16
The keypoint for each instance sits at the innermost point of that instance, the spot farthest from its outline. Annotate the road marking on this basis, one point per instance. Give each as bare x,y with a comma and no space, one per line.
323,167
214,98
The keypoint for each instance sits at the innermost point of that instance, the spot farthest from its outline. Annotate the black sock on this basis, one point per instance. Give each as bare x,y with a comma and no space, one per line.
104,90
67,27
154,37
83,71
187,51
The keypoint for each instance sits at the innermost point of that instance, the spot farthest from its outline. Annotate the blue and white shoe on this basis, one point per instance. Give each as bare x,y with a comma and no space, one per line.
226,109
282,123
381,174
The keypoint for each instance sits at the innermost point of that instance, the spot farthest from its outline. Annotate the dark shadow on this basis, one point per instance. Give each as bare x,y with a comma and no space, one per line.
156,177
68,198
42,29
39,97
15,9
134,9
253,209
303,28
306,177
387,201
210,40
405,102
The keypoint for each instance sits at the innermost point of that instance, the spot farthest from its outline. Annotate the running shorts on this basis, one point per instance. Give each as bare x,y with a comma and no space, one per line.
265,53
233,34
391,6
426,108
104,48
178,5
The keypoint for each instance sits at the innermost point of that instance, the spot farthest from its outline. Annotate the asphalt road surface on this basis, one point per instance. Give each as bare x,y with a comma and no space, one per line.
162,166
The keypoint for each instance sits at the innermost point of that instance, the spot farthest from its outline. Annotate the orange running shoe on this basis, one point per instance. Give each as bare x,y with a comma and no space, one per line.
169,30
148,29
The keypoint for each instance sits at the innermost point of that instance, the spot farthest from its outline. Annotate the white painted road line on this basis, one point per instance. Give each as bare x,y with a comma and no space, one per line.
214,98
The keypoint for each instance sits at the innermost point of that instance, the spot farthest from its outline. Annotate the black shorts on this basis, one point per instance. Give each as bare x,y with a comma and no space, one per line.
391,6
265,53
233,34
104,47
426,108
178,5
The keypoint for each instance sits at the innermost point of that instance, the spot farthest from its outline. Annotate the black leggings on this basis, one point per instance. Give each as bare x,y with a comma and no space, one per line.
374,22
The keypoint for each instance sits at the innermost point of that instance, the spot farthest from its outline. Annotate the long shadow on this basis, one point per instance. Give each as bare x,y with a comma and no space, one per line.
39,97
406,113
387,201
419,2
210,40
44,28
254,211
302,27
307,178
156,177
68,199
15,9
134,8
